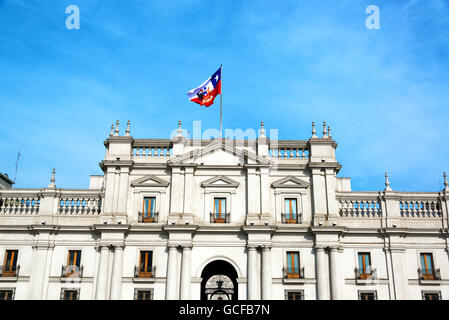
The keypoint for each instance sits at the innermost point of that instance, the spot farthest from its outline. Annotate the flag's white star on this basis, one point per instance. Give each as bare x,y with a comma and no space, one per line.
216,78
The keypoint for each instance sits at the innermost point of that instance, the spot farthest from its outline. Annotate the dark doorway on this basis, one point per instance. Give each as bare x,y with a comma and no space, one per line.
219,281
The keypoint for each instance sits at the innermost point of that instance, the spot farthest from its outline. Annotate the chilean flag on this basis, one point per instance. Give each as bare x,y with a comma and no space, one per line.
205,94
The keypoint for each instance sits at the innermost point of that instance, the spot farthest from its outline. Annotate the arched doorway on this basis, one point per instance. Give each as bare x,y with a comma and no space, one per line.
219,281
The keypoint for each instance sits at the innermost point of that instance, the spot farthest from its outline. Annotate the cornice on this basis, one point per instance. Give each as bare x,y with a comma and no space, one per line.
259,228
118,139
180,228
325,164
322,141
114,163
110,227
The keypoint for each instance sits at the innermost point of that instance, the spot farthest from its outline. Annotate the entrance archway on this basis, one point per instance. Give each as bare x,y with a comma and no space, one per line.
219,281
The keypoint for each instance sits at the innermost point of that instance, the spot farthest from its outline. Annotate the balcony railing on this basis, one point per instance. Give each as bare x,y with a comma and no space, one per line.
219,217
153,148
365,274
428,208
147,217
293,273
9,273
289,218
429,274
71,271
19,203
288,149
144,274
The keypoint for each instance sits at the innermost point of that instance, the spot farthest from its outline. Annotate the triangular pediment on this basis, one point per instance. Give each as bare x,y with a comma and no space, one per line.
290,182
220,181
218,153
149,181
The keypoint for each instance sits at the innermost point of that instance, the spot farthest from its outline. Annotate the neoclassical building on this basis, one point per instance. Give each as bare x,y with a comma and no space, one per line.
222,219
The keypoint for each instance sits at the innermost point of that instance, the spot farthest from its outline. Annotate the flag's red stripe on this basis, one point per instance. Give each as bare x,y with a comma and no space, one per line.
214,93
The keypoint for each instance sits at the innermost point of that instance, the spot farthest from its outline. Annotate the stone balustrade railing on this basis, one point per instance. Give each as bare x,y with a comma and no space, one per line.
22,202
19,202
82,203
360,205
410,205
420,206
152,148
288,149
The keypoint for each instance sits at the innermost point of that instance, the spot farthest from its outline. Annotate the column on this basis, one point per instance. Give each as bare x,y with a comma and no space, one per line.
252,273
330,182
117,273
391,289
109,190
38,272
321,276
122,194
175,194
267,278
103,273
253,192
186,273
171,274
188,194
264,190
334,274
399,273
319,200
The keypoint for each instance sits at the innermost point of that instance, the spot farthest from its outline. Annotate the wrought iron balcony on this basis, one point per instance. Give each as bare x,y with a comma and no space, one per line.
147,217
219,217
365,274
293,273
9,273
72,271
149,273
289,218
429,274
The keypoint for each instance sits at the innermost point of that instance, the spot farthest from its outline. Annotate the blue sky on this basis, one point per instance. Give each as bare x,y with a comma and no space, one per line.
385,93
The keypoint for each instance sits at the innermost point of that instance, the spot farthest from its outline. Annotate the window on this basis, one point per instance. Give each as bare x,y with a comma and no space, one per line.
69,294
364,269
6,295
291,215
143,294
427,268
146,260
293,265
73,262
219,210
9,267
367,295
294,295
149,204
431,295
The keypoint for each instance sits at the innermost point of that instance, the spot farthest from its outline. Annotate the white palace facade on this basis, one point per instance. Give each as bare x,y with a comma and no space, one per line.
222,219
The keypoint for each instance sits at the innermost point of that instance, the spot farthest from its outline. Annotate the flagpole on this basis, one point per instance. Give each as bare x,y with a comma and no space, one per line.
221,101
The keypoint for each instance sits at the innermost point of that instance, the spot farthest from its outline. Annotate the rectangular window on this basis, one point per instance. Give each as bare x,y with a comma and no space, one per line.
364,270
431,295
6,295
146,260
143,295
149,205
73,262
219,210
10,264
69,294
291,214
367,295
293,265
294,295
427,268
